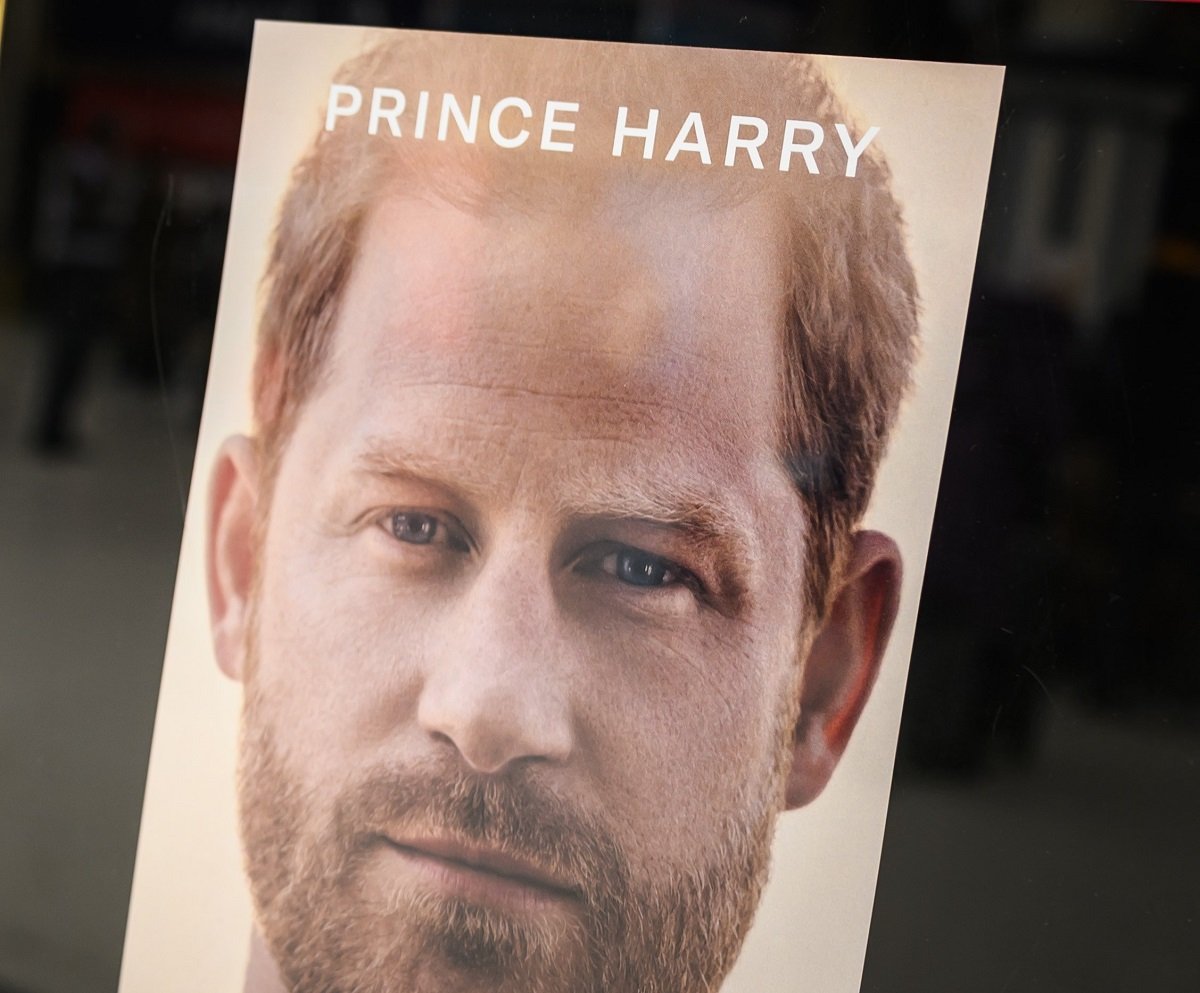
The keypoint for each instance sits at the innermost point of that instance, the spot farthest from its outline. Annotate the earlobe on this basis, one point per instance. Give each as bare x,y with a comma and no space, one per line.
843,663
232,511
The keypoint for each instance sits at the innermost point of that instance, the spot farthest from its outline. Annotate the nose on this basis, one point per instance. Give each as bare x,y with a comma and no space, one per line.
496,685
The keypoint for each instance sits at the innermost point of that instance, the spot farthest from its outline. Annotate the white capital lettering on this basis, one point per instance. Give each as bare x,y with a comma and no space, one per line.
338,109
389,114
494,122
751,145
422,113
552,125
693,124
466,128
624,131
854,152
791,146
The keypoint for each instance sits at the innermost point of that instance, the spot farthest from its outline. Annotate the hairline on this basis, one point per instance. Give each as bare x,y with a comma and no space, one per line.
830,449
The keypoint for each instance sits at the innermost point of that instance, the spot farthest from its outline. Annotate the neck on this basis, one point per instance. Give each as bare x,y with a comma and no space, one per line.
262,974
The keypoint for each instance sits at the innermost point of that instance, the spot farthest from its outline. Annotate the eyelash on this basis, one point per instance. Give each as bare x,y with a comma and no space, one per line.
633,562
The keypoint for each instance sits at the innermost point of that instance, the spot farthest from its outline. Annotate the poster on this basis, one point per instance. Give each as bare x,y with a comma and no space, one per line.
561,501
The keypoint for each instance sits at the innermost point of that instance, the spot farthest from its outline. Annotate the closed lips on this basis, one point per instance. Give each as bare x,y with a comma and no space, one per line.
484,860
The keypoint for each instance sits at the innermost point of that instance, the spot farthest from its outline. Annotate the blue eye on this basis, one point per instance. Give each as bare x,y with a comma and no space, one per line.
414,528
421,527
638,568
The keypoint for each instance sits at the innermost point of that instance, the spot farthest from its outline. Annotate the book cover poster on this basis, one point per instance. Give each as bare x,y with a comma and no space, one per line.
560,506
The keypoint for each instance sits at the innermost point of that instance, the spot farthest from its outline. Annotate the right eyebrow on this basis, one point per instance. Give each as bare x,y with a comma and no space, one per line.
387,460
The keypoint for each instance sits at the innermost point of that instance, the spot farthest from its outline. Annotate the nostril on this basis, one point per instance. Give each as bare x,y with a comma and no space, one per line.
442,738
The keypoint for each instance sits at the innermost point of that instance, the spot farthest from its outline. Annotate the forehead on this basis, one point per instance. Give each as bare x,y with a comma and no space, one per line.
618,307
608,355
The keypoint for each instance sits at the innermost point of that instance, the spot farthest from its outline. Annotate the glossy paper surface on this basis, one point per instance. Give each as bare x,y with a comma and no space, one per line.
935,125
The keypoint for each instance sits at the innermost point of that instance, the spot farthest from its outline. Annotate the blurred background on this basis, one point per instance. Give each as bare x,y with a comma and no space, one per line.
1044,828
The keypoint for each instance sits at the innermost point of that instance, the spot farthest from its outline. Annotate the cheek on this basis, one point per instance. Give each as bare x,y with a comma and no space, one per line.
338,655
685,732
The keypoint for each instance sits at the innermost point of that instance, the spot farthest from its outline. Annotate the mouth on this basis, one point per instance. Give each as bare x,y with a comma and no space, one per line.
481,874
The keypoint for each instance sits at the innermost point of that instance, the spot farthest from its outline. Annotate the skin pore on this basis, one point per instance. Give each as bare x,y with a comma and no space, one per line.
520,627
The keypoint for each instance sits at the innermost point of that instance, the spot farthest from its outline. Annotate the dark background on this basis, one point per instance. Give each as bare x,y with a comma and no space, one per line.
1043,827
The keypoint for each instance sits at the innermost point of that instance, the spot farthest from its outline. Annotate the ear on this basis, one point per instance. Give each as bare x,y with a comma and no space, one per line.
843,663
232,509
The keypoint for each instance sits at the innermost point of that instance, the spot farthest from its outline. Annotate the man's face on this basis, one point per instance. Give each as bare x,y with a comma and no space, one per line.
522,664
